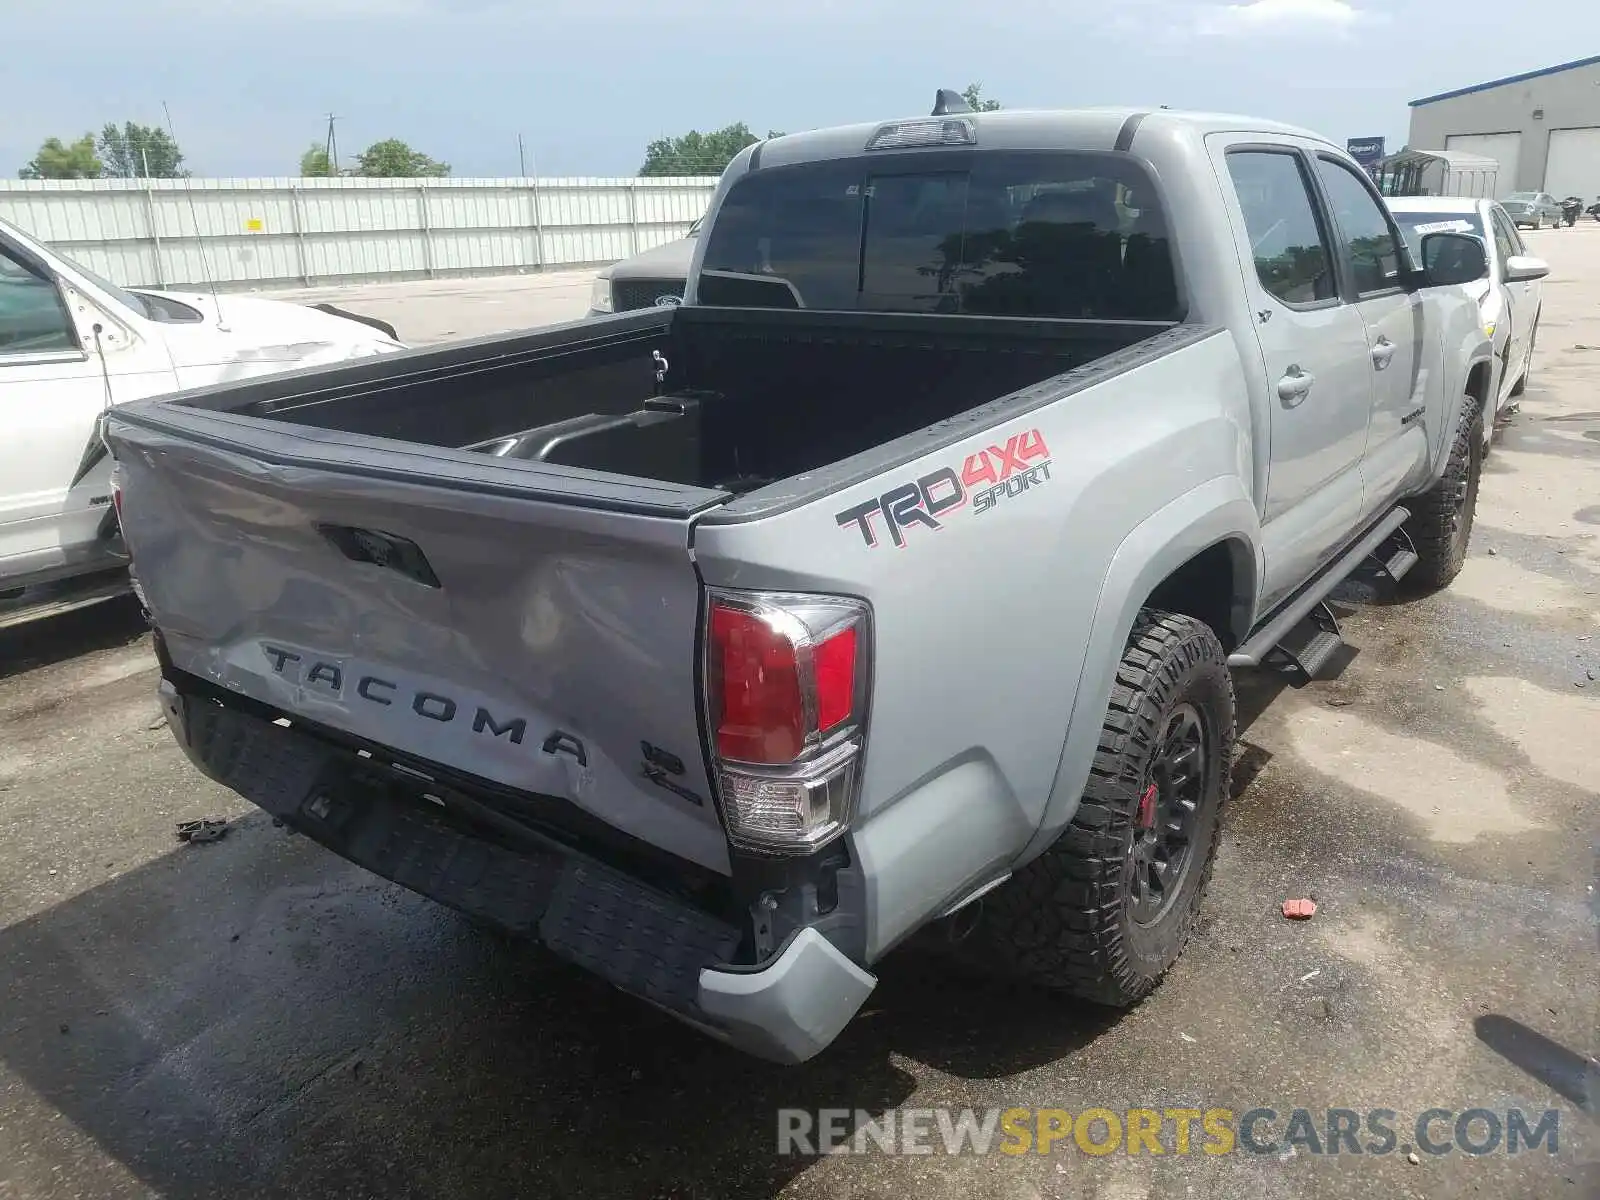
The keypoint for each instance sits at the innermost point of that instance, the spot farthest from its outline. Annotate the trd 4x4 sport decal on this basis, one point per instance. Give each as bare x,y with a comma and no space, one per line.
986,478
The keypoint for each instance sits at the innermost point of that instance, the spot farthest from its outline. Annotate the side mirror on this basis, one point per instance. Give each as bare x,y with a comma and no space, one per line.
1452,258
1524,268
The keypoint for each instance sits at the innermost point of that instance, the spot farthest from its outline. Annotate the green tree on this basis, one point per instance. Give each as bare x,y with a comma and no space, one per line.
393,159
973,95
135,151
697,153
314,163
58,160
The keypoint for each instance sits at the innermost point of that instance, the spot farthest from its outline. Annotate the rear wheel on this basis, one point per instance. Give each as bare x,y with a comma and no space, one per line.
1107,909
1441,518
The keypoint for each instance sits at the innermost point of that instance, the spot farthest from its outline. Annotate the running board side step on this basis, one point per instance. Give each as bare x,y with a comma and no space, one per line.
1311,646
1395,556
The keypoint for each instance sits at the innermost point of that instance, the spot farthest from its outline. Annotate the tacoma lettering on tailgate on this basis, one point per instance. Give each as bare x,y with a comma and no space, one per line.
431,706
985,478
658,765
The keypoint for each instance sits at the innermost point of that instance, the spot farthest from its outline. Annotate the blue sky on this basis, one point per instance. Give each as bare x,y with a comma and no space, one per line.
589,83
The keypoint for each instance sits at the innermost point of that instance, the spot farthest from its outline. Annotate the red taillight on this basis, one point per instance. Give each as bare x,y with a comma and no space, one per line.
761,714
786,690
775,688
835,662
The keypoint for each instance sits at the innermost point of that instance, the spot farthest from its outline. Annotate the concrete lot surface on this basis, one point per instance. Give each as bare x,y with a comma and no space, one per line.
254,1018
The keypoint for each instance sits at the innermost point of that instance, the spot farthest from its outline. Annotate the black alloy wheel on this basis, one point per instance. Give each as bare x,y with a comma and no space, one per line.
1164,823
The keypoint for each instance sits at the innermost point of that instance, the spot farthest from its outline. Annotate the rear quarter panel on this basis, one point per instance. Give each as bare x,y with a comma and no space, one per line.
982,624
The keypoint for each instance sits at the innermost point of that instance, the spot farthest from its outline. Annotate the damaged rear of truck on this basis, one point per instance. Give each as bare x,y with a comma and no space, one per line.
887,582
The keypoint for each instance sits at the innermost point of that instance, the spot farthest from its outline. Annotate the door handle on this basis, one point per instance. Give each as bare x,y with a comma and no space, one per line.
1382,353
1295,385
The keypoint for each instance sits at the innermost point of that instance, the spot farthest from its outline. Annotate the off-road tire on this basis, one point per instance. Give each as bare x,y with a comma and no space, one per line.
1065,921
1441,518
1533,344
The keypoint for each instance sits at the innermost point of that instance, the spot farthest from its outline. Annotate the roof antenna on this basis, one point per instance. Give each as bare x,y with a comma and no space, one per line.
948,101
194,219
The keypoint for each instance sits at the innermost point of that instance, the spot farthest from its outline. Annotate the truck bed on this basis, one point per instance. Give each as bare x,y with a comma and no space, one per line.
745,398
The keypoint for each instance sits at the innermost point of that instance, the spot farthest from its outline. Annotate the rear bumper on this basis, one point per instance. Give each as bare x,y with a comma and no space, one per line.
654,945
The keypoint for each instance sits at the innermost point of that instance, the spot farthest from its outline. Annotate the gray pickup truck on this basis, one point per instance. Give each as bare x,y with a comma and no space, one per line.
891,583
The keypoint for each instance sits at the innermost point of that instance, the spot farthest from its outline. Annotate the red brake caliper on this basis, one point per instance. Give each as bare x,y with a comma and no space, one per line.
1146,817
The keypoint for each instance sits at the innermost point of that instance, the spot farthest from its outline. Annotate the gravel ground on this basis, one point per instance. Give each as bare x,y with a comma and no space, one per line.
255,1018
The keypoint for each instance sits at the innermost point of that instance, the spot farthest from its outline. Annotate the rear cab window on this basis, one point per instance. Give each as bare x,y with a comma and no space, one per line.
997,233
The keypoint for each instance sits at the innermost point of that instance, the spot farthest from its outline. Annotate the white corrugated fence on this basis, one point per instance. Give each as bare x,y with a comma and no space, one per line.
287,232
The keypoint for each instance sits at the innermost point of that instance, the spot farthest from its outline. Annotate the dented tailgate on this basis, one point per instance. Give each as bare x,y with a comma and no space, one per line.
525,624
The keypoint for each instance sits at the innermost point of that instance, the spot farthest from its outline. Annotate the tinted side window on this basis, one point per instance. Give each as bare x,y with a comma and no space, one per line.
1505,227
1503,245
1374,251
32,318
1027,234
1292,256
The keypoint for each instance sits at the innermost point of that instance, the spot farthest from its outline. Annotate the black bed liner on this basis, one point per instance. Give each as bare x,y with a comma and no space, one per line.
671,413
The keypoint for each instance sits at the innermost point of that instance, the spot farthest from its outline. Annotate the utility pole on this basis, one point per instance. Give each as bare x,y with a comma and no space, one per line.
522,161
330,147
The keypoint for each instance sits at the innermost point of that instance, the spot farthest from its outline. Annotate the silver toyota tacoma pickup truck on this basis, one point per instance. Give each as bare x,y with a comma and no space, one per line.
891,583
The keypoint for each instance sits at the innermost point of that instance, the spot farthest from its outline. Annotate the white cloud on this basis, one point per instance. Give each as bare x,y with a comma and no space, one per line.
1277,17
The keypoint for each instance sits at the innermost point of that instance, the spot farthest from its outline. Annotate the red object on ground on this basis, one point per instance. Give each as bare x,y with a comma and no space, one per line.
1299,910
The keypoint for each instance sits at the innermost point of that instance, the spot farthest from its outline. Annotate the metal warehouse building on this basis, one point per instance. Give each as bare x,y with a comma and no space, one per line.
1543,128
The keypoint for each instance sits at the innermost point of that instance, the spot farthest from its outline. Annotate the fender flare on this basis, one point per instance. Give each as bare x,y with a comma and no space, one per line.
1216,512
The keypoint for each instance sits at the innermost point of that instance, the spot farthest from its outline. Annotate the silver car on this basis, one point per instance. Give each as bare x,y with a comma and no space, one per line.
1509,297
1533,209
